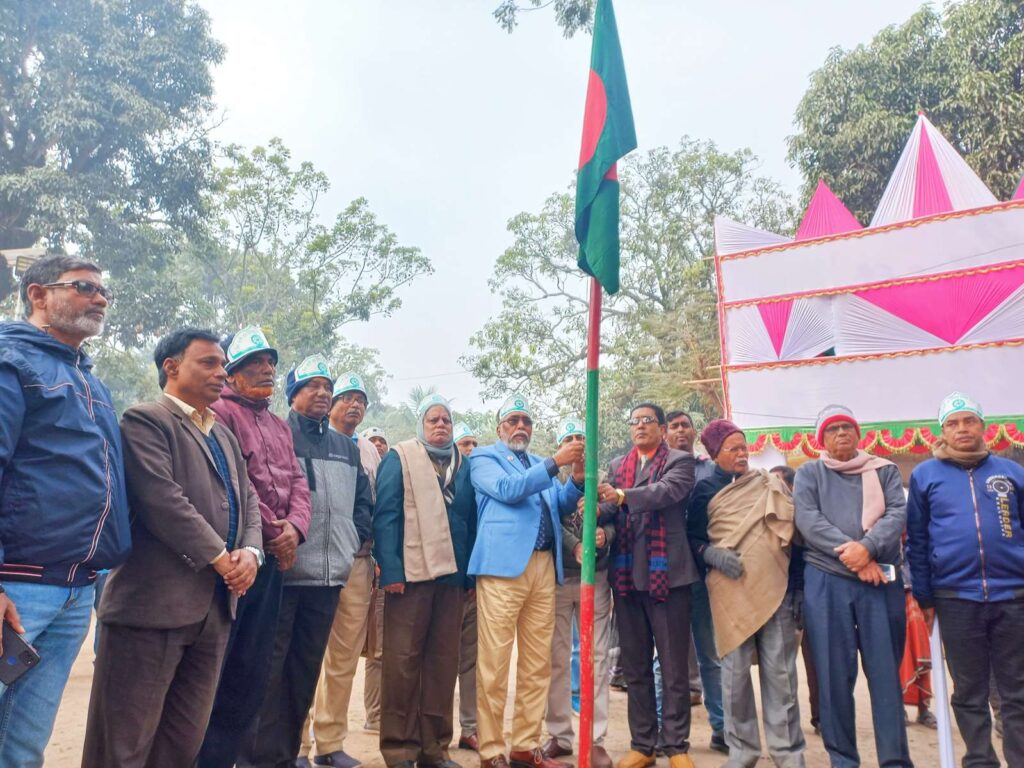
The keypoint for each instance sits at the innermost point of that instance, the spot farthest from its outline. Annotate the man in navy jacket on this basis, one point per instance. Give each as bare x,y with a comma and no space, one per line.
965,544
63,508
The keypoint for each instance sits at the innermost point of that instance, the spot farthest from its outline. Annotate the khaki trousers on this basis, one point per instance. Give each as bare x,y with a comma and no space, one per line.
521,610
374,656
567,611
329,714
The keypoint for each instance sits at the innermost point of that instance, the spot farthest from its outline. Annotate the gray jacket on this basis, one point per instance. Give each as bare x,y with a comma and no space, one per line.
828,513
339,492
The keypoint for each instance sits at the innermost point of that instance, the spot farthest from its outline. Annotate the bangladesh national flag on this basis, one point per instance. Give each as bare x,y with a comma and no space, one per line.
608,134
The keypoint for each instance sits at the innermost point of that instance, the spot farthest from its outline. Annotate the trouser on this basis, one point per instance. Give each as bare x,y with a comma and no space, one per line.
329,715
567,611
812,678
56,621
645,624
703,635
303,627
775,645
372,668
420,665
246,670
519,609
979,637
467,667
152,692
843,615
695,684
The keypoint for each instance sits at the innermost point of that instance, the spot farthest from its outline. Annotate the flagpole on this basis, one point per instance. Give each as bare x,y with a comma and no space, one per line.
587,682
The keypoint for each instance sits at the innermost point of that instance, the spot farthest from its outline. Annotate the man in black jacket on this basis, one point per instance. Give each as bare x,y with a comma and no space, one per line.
339,525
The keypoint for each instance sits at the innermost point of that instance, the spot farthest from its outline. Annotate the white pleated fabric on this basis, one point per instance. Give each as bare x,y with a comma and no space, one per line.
962,184
808,334
733,237
1005,322
863,328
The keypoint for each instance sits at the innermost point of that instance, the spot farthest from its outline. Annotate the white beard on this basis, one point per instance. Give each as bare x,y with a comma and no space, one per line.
63,319
519,445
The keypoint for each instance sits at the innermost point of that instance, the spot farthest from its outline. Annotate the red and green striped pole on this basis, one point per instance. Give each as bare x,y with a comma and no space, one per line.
589,531
608,135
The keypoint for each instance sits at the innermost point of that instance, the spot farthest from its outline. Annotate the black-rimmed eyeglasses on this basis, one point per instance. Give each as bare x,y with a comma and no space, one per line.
84,288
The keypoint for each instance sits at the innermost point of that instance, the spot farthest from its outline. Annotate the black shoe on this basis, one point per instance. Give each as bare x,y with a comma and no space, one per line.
446,763
718,743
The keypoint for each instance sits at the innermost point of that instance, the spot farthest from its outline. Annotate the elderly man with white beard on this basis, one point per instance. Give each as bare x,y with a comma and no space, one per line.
517,560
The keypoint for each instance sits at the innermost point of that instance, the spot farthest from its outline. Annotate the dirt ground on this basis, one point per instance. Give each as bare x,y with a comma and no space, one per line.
66,745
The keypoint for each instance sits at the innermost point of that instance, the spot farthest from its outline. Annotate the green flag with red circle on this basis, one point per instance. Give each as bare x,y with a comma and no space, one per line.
608,135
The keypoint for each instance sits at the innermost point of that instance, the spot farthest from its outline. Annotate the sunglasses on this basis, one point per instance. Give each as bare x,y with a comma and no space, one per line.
515,421
638,420
84,288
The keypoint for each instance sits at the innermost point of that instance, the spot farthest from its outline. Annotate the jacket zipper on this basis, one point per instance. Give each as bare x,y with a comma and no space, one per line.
981,544
106,463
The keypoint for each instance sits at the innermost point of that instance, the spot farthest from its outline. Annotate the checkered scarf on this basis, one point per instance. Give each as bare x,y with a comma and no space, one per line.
657,547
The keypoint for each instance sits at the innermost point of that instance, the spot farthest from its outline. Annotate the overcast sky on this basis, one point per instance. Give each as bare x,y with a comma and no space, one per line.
449,126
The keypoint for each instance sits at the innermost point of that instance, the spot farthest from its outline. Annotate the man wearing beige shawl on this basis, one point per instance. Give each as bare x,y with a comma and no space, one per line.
423,529
740,524
851,512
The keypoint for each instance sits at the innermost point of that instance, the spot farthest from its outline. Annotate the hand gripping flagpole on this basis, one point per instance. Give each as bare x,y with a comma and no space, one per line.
586,618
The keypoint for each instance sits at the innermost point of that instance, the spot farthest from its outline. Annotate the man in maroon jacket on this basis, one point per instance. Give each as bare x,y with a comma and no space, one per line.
266,443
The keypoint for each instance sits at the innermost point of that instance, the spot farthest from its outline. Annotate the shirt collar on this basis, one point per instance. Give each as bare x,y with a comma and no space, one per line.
203,423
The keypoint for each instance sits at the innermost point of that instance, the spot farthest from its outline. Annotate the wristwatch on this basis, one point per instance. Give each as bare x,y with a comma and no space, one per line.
260,558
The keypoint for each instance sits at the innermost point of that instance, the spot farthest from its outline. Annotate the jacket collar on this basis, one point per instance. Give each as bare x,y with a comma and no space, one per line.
308,426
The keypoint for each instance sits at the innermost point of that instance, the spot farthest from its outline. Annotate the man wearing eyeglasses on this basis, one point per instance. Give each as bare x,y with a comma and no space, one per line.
517,559
63,506
358,602
652,575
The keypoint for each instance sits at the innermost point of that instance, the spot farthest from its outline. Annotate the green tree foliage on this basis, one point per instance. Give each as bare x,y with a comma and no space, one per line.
571,15
963,67
271,261
103,147
660,332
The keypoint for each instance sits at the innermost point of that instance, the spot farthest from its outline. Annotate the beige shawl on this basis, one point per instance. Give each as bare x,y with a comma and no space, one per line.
427,552
754,517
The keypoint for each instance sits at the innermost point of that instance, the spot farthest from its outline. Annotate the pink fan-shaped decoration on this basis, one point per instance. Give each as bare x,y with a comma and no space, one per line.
776,320
826,215
930,193
947,308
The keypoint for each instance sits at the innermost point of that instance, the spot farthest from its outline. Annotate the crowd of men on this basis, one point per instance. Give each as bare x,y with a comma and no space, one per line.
246,562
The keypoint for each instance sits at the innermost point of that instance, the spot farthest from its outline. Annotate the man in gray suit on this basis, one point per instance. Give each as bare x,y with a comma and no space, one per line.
166,612
653,569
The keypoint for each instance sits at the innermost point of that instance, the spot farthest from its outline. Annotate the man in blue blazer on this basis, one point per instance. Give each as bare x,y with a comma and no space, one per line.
516,560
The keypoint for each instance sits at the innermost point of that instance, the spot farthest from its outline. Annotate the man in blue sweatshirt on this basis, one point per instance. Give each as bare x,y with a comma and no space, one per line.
63,507
965,544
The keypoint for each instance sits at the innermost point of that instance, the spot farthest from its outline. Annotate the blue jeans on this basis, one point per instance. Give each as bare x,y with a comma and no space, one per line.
56,621
707,654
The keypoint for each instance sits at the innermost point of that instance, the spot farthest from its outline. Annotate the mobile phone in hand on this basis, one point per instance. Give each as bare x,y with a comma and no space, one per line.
18,656
889,571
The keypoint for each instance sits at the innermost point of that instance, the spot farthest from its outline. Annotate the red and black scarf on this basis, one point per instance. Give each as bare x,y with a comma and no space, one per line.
657,546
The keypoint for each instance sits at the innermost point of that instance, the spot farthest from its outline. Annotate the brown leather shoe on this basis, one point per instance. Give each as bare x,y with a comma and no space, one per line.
553,749
534,759
634,759
495,762
599,758
469,741
682,760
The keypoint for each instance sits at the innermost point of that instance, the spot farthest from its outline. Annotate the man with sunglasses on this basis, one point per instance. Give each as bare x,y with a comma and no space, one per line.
652,576
63,506
517,560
